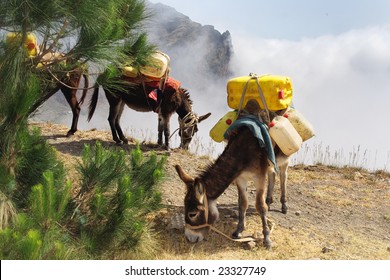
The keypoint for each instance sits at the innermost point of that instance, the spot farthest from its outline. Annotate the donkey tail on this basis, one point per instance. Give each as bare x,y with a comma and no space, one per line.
93,102
85,89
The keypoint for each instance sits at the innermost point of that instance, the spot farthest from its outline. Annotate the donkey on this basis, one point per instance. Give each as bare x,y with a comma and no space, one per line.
135,96
69,87
242,160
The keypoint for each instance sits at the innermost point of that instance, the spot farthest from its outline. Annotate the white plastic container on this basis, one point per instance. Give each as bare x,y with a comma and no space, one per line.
300,123
285,135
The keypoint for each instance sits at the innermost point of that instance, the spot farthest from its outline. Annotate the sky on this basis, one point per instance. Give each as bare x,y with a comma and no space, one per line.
337,54
285,19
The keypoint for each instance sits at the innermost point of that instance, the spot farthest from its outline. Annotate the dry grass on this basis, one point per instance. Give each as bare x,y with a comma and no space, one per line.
334,213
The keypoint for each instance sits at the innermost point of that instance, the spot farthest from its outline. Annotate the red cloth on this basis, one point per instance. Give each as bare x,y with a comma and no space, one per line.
153,95
170,84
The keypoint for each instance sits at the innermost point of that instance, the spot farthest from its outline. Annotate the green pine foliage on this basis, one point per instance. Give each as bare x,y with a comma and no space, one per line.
112,209
106,220
40,217
26,240
84,32
39,232
49,203
100,168
35,157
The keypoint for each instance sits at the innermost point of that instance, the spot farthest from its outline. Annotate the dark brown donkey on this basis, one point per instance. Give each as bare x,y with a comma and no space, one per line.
136,98
69,87
242,160
69,90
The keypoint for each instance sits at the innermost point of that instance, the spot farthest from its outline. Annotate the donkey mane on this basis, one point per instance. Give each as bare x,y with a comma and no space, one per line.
186,94
237,157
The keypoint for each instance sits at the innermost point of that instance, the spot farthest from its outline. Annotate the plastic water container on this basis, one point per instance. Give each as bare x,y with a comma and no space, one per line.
285,136
130,71
277,91
30,42
300,123
157,66
218,130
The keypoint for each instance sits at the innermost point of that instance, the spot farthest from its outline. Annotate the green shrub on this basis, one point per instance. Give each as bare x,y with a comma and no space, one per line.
117,193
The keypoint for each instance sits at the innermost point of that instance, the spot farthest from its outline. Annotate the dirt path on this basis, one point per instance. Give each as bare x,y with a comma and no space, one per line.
333,213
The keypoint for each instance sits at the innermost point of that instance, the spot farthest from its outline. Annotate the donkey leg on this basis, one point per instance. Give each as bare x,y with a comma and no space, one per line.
117,123
163,128
112,121
71,98
160,129
262,208
270,189
242,206
283,187
167,131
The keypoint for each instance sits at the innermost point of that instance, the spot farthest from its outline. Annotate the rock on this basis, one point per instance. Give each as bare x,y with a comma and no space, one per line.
177,221
327,249
251,245
298,213
234,214
177,35
357,175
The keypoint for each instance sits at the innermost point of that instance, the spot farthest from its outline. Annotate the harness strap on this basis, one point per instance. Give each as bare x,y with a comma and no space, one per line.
253,77
189,120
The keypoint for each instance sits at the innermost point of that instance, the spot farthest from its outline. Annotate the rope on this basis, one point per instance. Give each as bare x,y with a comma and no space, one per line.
271,225
253,77
189,120
206,224
66,85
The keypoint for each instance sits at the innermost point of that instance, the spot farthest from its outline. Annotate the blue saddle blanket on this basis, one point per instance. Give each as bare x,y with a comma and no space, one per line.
259,130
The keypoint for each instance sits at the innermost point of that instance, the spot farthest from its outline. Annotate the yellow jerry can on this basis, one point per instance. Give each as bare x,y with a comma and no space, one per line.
129,71
30,43
277,91
218,130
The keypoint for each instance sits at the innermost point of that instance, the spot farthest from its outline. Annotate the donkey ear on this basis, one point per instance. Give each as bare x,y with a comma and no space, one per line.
184,176
202,118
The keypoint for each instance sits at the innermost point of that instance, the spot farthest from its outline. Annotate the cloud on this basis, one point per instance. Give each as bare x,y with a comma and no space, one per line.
340,83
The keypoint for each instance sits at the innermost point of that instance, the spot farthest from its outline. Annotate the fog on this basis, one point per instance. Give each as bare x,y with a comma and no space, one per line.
340,85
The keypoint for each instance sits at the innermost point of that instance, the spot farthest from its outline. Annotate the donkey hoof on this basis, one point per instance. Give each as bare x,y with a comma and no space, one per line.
267,243
70,133
236,235
284,209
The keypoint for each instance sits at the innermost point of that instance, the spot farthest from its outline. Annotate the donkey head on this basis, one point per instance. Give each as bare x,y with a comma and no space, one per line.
188,128
196,208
